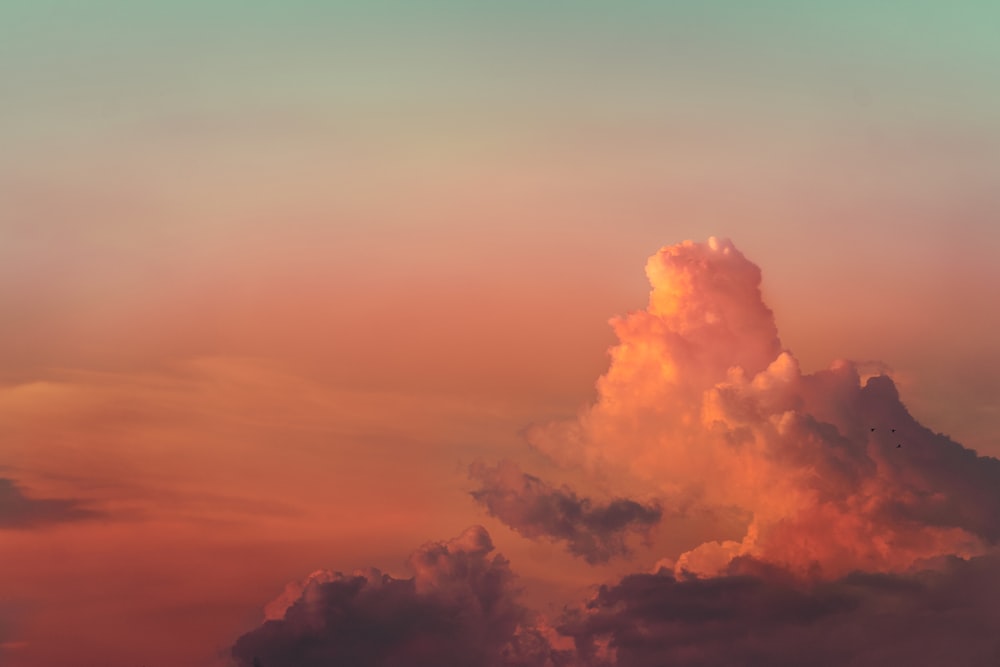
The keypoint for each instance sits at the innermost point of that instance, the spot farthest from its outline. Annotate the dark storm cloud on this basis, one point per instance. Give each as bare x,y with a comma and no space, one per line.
759,615
459,610
17,511
942,483
533,508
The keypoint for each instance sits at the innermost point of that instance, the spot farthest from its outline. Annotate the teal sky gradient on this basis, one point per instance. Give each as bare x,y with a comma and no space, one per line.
851,149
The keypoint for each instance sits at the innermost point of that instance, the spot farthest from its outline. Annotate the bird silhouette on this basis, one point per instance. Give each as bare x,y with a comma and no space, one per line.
898,446
893,430
873,429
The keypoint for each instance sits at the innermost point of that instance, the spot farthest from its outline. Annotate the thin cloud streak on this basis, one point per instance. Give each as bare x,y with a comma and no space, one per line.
20,512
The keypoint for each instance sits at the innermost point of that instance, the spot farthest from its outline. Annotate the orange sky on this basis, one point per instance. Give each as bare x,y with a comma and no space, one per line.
220,477
272,279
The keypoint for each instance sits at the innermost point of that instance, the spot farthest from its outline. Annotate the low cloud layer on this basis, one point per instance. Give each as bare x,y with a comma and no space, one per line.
18,511
594,531
758,615
459,609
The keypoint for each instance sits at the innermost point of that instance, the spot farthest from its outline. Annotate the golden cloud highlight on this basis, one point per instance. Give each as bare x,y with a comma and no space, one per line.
703,405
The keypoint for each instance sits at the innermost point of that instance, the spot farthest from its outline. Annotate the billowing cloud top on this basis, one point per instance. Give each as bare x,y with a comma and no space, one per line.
703,404
459,608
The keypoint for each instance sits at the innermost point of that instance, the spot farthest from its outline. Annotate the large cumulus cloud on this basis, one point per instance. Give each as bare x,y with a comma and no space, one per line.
460,609
702,404
592,530
869,539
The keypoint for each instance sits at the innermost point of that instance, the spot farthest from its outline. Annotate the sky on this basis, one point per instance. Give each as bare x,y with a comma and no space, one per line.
571,319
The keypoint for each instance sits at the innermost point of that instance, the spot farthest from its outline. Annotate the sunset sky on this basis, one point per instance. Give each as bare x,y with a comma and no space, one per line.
615,290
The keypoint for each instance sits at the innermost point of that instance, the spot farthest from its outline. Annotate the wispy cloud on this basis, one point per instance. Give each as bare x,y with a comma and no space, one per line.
18,511
593,530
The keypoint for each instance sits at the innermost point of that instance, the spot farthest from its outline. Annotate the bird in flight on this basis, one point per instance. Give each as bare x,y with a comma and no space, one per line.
898,446
893,430
873,429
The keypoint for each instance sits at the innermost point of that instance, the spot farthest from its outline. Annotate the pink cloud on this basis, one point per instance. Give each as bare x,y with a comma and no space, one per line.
703,406
868,538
